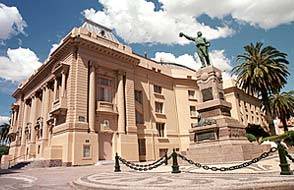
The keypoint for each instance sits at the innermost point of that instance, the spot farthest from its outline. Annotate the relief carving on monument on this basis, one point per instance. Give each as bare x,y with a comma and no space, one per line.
237,133
203,122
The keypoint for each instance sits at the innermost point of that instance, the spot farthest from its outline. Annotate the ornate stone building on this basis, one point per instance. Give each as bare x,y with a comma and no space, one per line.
94,97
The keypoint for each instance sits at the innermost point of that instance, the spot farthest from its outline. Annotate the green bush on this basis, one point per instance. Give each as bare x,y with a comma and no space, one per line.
251,137
288,138
3,150
256,130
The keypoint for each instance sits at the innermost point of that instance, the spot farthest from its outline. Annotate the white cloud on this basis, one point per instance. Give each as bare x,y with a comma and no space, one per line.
186,59
53,48
217,57
4,119
219,60
19,64
263,13
11,22
137,22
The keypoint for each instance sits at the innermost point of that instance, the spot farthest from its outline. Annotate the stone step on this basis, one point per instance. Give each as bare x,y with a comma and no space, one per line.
19,165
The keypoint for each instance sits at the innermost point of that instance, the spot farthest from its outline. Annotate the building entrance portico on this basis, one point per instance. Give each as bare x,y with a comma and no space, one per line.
107,124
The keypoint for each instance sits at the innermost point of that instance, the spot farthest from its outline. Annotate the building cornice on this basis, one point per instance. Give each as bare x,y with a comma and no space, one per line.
235,89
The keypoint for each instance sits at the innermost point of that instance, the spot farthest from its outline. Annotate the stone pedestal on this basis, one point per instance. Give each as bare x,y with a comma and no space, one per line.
219,138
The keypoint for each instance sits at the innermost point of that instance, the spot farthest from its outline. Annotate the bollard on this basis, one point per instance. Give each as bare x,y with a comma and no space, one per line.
285,167
175,166
116,164
165,157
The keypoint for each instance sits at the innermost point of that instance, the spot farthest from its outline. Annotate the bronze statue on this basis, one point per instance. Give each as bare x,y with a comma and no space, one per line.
202,47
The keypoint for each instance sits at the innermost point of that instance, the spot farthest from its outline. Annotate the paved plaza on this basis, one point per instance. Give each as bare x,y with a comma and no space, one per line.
263,175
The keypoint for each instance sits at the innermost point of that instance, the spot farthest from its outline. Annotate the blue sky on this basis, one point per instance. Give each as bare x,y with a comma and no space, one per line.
146,26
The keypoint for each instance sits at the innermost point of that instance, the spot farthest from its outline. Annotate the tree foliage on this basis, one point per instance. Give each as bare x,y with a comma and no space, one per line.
262,71
4,130
282,106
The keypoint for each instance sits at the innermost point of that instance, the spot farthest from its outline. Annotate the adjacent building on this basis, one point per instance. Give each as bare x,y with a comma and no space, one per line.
94,97
245,108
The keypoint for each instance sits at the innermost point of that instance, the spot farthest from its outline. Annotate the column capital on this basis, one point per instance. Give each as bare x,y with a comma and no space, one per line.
27,101
93,65
44,86
64,71
121,72
33,96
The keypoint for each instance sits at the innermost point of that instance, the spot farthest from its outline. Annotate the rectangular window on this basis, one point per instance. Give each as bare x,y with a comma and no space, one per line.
246,107
191,94
104,82
86,151
104,90
193,112
142,147
158,107
157,89
162,152
139,118
161,129
139,96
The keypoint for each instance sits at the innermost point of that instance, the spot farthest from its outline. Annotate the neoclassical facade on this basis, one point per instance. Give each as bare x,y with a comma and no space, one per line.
94,97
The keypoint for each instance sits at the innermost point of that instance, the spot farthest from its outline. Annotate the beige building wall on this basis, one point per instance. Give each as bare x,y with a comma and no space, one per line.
245,108
81,105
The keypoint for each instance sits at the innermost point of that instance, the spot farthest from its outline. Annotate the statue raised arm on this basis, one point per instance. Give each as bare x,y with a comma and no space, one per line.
202,47
186,36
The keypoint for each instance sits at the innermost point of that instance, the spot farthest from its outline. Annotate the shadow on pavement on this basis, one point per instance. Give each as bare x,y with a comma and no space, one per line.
7,171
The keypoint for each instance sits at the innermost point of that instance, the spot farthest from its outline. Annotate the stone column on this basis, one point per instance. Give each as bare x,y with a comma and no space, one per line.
15,115
63,77
23,135
55,89
12,117
121,104
33,119
45,111
92,98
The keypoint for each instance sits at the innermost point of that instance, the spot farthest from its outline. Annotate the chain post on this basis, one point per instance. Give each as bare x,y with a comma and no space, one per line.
285,167
116,165
175,166
165,159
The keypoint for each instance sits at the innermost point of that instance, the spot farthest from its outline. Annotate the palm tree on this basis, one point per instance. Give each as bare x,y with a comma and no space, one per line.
262,71
282,106
4,130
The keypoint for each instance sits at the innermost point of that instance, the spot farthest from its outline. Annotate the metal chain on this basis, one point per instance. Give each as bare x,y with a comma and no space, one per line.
141,165
134,167
243,165
289,156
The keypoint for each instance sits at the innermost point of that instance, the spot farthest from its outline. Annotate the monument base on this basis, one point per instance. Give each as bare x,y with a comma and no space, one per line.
222,151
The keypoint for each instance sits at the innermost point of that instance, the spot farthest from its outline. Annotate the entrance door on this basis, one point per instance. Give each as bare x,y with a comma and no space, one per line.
105,146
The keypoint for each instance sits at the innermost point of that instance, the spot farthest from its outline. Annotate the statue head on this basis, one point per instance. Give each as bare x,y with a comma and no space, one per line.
199,34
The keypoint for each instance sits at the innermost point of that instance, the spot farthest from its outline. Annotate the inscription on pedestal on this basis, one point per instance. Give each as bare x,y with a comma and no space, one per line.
204,136
207,94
